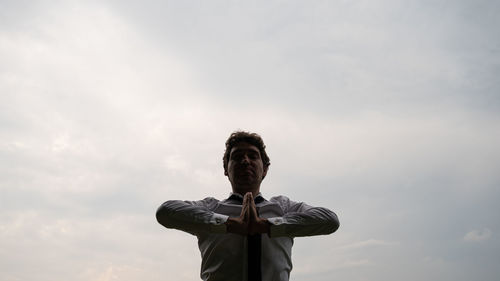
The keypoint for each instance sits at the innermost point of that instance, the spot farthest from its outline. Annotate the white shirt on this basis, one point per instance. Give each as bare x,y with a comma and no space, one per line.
224,255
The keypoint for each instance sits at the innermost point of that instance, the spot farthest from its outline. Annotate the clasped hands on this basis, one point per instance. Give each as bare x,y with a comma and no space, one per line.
249,221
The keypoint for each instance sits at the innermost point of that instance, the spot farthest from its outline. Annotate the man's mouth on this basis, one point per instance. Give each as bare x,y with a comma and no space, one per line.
246,171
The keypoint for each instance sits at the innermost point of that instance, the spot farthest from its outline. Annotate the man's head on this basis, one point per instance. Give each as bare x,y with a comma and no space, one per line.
245,160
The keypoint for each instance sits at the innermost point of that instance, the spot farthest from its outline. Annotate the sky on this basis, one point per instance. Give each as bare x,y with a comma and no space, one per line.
387,112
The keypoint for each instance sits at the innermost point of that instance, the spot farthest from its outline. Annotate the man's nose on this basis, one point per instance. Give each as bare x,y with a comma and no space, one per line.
245,159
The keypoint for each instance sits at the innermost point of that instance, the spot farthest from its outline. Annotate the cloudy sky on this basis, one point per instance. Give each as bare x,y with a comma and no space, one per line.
387,112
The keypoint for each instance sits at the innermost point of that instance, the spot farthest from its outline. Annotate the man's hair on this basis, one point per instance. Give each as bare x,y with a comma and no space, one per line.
250,138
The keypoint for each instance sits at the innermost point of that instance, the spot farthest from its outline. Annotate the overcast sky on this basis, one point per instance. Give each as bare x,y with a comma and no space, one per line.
386,112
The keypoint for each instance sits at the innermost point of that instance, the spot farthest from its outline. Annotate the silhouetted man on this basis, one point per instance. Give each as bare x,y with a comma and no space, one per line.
246,237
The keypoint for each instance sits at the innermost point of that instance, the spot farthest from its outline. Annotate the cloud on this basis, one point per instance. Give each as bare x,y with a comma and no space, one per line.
369,243
478,235
108,109
107,275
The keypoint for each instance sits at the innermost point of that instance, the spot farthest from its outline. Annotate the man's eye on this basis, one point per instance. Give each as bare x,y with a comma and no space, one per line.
239,156
235,156
253,156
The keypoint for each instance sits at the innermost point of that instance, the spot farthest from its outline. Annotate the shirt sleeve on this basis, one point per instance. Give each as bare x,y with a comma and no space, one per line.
300,219
192,216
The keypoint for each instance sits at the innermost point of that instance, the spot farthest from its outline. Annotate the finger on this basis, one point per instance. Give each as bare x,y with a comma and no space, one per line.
254,215
244,208
247,197
252,202
249,206
245,211
253,211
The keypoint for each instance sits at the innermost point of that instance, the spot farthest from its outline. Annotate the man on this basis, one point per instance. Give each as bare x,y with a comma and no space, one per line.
246,237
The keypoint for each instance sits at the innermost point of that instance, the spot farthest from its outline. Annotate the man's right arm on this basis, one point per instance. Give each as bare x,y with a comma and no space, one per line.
301,219
191,216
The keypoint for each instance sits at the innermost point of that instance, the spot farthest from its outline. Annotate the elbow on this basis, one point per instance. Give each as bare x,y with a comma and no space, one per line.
333,223
162,215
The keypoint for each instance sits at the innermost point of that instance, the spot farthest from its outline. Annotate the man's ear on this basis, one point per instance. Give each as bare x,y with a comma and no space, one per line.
225,172
265,172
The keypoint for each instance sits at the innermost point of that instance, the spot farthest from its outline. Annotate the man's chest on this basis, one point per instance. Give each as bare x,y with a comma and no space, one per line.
266,210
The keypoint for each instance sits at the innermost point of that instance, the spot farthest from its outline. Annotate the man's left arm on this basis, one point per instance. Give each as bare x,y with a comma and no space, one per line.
300,219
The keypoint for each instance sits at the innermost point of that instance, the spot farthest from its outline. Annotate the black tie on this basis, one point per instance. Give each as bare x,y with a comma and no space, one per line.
254,247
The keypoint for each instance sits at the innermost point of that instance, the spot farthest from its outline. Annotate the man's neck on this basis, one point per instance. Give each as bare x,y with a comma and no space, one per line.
243,190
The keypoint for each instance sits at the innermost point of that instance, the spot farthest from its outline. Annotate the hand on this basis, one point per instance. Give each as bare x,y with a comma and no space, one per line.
249,221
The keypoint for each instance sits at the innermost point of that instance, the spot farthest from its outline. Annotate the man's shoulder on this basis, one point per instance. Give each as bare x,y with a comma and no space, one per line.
281,200
210,200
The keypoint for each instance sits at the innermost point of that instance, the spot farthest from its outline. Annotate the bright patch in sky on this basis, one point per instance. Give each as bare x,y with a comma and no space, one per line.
386,112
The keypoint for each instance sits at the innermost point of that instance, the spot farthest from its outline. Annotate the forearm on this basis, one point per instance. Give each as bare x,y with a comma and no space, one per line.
186,216
313,221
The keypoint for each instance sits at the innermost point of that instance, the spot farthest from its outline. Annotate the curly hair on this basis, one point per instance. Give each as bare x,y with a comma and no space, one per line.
250,138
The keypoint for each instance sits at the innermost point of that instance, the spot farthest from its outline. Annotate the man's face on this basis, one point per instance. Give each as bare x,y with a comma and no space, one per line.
245,166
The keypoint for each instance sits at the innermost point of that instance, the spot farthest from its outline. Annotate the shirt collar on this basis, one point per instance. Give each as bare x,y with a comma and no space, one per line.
237,197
